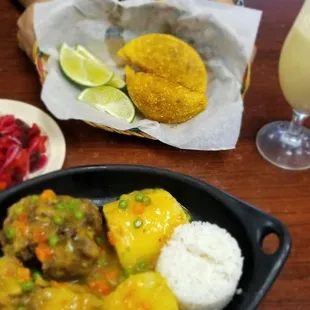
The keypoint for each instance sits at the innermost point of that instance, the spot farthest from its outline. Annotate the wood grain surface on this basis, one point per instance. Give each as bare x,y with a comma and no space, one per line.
242,172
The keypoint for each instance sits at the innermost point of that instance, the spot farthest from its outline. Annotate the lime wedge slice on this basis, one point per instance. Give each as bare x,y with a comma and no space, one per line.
111,100
82,70
116,80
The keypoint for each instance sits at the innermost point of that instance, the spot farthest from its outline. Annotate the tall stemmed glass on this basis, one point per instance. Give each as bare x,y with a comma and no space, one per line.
287,144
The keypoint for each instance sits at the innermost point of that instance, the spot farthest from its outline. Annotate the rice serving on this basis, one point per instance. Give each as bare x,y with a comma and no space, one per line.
202,264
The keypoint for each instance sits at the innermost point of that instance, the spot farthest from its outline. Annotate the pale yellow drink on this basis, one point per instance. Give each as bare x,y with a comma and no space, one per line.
294,68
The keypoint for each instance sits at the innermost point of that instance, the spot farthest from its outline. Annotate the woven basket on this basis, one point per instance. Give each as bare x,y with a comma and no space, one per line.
40,61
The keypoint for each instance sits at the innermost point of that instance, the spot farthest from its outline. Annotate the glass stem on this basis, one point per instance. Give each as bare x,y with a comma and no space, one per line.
293,134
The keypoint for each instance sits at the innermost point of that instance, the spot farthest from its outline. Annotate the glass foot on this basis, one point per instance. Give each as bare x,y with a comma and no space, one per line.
292,153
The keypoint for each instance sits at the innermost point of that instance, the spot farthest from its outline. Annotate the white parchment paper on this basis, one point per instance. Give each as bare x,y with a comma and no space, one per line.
223,34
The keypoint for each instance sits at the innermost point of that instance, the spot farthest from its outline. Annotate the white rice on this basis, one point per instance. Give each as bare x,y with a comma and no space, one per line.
202,264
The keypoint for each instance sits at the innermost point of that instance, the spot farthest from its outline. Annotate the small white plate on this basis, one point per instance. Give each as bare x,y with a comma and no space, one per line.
55,146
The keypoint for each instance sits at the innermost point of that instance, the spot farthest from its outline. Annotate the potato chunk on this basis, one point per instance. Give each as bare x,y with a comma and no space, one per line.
65,296
144,291
12,276
139,225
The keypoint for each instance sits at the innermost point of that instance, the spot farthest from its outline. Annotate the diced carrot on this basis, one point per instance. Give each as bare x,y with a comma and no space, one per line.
43,252
92,284
104,290
22,218
23,274
111,238
23,227
100,286
138,209
111,275
39,235
48,194
23,224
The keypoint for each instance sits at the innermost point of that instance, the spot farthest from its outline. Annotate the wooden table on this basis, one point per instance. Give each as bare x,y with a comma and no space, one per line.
242,172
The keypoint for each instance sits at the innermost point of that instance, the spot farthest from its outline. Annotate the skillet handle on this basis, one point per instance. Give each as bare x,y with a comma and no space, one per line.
267,266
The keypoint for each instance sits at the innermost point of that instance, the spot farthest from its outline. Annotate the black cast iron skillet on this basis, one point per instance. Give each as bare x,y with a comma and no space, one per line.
246,223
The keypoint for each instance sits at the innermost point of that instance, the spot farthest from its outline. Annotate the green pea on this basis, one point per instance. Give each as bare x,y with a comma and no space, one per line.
127,273
123,204
142,265
36,275
53,240
147,200
20,308
139,197
58,219
27,286
101,240
78,215
138,223
35,198
10,233
18,210
102,262
73,204
61,207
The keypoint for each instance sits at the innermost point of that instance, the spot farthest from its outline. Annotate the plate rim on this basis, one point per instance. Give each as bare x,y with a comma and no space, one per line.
47,121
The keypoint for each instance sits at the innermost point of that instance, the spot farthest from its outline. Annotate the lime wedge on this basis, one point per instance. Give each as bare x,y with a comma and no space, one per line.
116,80
82,70
86,53
111,100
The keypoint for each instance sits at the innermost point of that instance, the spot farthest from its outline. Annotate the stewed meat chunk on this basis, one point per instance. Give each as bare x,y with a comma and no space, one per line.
59,231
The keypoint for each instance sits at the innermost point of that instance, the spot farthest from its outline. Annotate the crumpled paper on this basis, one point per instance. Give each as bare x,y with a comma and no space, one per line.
223,34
